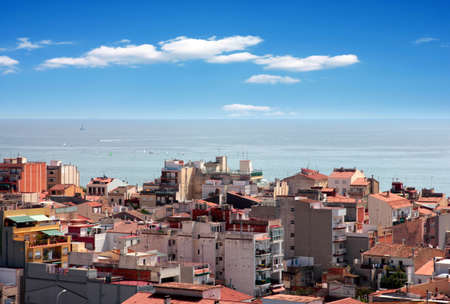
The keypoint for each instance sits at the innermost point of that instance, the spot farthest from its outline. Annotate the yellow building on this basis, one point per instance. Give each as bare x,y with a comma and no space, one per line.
30,235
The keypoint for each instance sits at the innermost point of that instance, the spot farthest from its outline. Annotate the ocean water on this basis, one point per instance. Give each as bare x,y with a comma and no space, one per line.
416,152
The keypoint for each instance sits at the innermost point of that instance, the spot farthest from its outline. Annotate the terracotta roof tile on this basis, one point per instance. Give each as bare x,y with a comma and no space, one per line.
346,301
362,181
426,269
394,200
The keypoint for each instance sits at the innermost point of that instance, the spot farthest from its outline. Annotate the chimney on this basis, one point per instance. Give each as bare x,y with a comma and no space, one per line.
166,299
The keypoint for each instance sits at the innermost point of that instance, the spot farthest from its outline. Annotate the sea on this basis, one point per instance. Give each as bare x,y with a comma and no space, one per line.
416,152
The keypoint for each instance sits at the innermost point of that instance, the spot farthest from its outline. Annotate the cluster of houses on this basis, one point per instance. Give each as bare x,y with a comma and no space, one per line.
202,232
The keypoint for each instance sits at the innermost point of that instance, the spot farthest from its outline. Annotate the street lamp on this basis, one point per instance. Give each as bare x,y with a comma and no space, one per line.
58,296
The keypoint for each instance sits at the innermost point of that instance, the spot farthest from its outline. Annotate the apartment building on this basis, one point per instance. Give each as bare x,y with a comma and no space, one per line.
305,180
119,195
30,235
342,178
313,230
19,175
101,186
59,173
387,209
254,261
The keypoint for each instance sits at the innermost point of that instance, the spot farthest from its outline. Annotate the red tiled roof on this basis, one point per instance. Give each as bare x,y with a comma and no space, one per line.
426,211
345,174
292,298
346,301
93,204
228,294
340,199
393,250
362,181
394,200
426,269
59,187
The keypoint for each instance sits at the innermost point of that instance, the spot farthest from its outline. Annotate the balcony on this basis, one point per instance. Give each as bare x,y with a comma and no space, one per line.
260,252
339,251
36,228
262,282
50,242
263,267
339,226
339,238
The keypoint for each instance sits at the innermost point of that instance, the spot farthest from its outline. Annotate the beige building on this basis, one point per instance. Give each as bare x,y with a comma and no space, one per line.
119,195
342,178
305,180
387,209
58,173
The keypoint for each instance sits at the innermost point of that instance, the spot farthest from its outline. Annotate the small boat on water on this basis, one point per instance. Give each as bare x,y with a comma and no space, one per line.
82,128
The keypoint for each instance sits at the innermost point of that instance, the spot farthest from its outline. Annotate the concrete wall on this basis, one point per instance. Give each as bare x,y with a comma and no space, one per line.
240,264
312,229
444,225
356,243
380,212
43,287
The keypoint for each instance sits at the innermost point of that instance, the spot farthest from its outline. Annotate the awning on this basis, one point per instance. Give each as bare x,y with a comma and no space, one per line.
53,232
40,218
21,218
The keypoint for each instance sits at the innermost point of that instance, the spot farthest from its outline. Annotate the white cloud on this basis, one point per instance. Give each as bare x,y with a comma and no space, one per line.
105,55
236,107
25,43
174,50
425,40
124,41
236,57
311,63
212,50
8,65
247,110
7,61
271,79
190,48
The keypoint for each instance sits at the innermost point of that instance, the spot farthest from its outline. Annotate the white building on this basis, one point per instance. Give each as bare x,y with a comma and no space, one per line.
254,261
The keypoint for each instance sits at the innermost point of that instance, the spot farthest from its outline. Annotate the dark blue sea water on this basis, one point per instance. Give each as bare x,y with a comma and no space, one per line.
415,151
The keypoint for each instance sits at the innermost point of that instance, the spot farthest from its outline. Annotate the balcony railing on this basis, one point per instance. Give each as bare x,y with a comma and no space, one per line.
340,251
339,238
262,281
339,226
48,242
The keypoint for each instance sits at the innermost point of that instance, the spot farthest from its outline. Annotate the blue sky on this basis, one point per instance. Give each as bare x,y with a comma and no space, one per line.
233,59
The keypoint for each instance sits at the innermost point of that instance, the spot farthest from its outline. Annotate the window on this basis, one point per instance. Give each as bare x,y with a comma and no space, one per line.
292,222
292,235
292,209
37,254
292,247
64,251
30,254
198,251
